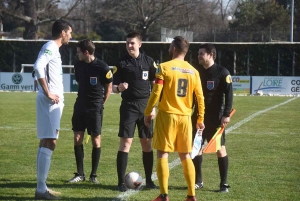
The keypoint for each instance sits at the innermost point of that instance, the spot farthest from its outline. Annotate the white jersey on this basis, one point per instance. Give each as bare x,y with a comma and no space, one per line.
49,65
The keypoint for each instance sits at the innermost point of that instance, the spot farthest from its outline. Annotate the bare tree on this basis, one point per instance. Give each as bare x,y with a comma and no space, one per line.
35,13
141,15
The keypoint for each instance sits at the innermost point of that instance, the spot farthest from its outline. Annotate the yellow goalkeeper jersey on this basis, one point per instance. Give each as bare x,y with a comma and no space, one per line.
179,81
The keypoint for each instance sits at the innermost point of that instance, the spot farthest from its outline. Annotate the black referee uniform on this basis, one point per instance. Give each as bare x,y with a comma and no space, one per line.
88,108
218,96
138,73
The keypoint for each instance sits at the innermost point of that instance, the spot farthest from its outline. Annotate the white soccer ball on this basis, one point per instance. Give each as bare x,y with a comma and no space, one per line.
133,180
260,93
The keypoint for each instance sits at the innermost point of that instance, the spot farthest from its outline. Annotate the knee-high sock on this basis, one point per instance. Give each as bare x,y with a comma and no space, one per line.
189,175
223,168
37,158
122,159
95,159
148,165
198,168
43,164
162,169
79,155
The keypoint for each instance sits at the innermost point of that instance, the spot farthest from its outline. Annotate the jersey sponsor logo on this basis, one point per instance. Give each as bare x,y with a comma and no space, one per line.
210,85
47,52
115,69
145,75
154,64
183,70
228,79
93,80
109,75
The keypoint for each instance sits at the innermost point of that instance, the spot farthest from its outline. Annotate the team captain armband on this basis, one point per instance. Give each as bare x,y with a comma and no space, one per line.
159,81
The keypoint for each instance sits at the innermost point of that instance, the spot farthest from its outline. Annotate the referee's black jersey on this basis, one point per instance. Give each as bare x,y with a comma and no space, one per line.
138,73
92,78
217,86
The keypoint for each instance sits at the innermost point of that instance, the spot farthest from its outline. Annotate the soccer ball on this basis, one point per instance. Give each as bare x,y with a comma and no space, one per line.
133,180
260,93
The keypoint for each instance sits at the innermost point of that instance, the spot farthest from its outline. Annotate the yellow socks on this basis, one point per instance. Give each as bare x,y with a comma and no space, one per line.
189,174
162,169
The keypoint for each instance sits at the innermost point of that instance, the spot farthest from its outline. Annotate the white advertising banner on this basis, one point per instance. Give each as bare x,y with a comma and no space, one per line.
276,85
241,84
24,82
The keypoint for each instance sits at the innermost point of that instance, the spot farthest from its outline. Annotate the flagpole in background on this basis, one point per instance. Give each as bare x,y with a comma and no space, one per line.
292,22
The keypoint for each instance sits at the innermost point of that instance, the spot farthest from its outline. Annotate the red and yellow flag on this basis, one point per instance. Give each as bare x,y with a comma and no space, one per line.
215,143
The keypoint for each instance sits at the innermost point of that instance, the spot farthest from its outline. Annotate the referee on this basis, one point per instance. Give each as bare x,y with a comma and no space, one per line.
217,90
134,76
94,80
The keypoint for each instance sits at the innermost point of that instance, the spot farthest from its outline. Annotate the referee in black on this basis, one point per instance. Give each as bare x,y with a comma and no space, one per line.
217,90
134,76
94,80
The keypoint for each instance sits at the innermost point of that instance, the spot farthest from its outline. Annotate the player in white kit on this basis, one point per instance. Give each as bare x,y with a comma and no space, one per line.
49,103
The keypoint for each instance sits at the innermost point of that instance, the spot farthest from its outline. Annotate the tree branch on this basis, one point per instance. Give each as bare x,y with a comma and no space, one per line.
47,6
72,8
20,17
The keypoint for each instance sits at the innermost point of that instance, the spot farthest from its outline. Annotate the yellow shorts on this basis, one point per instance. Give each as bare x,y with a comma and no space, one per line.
172,132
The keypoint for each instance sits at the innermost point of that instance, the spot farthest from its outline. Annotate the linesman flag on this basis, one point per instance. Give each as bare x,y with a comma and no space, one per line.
215,143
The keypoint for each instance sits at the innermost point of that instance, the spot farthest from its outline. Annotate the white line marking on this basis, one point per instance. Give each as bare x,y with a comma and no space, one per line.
124,196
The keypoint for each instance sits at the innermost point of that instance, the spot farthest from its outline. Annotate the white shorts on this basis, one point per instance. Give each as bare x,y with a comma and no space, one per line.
48,117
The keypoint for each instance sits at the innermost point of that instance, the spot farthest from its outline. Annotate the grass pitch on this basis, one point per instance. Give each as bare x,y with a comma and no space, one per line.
263,145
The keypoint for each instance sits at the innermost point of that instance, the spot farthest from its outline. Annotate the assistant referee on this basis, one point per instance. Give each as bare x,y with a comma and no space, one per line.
218,96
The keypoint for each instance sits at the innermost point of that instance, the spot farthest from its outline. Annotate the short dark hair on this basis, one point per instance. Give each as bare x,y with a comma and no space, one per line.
209,48
86,45
181,44
135,34
59,26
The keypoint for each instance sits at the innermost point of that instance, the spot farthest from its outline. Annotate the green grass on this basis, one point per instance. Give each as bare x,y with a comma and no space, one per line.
264,154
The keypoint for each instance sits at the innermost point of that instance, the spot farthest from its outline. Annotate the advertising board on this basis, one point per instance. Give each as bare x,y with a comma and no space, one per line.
241,84
24,82
276,85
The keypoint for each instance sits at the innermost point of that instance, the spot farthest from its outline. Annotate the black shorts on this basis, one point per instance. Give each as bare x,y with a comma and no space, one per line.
132,115
89,118
212,123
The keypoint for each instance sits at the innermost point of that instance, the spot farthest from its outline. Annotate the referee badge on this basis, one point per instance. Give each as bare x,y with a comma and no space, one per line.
115,69
228,79
210,85
93,80
145,75
109,74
